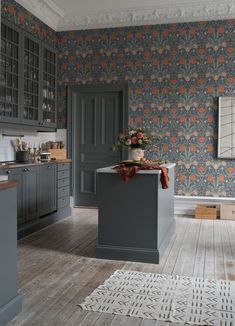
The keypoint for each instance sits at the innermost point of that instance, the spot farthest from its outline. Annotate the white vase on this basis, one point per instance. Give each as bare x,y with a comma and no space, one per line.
135,154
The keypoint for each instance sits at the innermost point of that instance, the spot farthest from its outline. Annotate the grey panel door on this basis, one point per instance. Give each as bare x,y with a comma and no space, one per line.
17,174
98,121
47,191
31,194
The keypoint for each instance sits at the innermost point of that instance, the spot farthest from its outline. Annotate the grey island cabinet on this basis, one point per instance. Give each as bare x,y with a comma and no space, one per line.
134,217
10,301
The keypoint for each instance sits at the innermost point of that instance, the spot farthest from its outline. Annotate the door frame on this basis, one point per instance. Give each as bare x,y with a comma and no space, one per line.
72,91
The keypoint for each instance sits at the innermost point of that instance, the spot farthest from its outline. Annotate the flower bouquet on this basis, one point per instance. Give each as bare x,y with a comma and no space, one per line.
136,140
133,138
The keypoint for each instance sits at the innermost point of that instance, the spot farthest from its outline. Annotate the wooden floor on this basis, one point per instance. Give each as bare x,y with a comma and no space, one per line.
57,268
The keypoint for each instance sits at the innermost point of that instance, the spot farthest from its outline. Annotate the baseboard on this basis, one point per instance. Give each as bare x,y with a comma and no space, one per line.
43,222
10,310
128,254
185,205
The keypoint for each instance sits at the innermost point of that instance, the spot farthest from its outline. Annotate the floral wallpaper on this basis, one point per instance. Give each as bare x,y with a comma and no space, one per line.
175,74
15,13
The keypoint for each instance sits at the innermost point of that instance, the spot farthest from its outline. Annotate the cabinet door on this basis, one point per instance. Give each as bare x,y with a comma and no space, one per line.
30,194
17,174
49,115
9,73
31,80
47,193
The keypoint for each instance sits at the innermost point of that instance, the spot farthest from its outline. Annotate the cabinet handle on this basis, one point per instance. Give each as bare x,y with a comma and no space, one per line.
8,172
48,166
25,170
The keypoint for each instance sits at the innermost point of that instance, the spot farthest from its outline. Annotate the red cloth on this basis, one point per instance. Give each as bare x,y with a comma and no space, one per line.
127,172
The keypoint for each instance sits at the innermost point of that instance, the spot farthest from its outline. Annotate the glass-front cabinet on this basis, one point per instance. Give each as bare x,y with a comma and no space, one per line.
9,74
49,87
27,79
31,81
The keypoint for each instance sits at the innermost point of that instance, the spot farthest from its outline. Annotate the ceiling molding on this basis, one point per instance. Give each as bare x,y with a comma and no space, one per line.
45,10
192,11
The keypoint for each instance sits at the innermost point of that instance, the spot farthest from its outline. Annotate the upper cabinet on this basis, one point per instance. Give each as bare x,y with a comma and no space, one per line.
28,80
31,81
9,74
49,115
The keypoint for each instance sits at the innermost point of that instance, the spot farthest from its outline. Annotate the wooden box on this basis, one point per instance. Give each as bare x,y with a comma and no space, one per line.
227,211
206,212
59,154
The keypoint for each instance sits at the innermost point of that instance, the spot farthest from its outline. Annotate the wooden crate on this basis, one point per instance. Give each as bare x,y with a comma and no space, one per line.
206,212
227,211
59,154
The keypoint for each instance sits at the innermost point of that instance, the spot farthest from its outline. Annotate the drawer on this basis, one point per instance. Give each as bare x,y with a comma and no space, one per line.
63,202
63,174
46,167
63,166
63,192
227,212
63,182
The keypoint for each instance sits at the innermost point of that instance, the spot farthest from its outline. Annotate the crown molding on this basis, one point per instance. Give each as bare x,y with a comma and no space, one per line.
192,11
45,10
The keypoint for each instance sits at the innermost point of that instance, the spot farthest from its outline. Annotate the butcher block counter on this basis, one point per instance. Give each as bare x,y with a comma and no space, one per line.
10,301
135,216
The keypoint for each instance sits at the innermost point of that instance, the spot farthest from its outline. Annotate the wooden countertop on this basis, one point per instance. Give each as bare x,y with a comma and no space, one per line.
8,184
66,160
17,165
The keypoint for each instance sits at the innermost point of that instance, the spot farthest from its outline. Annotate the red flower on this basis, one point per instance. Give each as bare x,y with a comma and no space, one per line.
134,140
140,135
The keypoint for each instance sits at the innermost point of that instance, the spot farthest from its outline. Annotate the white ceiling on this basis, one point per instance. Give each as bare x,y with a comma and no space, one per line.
87,14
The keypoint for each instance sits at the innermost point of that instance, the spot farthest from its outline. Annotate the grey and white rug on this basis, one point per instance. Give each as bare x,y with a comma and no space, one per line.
165,297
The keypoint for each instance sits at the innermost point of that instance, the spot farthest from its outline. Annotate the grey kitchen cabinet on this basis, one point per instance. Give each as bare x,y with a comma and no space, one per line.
17,174
49,113
47,192
27,80
63,185
43,192
9,73
28,193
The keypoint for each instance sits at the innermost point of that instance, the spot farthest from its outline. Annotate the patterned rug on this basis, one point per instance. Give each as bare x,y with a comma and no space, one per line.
165,297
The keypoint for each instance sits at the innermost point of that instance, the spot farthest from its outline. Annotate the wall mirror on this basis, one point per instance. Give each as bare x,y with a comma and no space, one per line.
226,128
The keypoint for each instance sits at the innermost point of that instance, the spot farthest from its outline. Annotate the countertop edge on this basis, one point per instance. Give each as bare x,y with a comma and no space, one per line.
110,169
19,165
8,184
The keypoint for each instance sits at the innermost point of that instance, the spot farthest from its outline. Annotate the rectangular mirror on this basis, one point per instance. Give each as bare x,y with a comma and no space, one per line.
226,127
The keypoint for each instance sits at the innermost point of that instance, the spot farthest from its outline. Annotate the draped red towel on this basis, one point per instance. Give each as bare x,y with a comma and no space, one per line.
127,172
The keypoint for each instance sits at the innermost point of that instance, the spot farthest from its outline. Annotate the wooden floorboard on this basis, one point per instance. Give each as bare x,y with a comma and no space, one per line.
57,267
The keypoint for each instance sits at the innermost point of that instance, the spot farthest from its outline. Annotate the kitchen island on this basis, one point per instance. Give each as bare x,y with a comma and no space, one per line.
134,217
10,301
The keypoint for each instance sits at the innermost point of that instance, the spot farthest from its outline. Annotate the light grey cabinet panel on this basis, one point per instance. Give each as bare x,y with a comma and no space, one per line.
63,174
10,301
47,189
31,194
63,202
63,166
17,174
